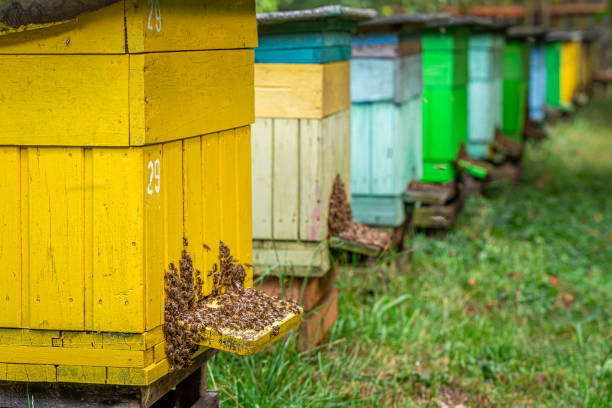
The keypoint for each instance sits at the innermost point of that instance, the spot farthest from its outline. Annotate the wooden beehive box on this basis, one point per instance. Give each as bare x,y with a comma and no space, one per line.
516,78
386,88
562,68
301,137
481,91
445,98
124,131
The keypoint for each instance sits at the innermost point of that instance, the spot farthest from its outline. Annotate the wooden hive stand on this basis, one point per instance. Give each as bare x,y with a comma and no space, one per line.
301,141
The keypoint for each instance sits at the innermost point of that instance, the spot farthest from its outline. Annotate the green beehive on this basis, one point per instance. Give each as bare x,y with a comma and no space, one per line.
445,96
516,79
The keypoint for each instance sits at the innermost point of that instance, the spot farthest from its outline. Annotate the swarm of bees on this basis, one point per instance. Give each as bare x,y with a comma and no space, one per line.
341,222
229,307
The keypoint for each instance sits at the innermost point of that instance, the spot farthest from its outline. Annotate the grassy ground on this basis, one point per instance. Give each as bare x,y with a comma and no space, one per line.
513,308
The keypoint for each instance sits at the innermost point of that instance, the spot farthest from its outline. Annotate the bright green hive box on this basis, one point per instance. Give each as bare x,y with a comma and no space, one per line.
445,99
516,79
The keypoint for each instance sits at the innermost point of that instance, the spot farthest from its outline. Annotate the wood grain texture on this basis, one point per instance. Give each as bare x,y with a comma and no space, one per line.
386,80
52,100
291,258
177,26
295,162
10,231
75,356
56,231
262,170
386,144
187,94
308,91
286,180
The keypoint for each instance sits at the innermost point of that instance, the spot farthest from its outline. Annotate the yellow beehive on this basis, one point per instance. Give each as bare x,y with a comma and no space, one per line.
569,70
123,131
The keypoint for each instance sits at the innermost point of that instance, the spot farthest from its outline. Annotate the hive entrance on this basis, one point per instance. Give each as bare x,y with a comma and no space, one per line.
341,222
231,318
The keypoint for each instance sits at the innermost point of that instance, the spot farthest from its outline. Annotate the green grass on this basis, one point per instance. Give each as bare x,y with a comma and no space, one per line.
512,308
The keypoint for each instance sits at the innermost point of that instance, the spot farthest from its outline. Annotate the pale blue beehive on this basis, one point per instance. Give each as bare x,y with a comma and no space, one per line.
386,121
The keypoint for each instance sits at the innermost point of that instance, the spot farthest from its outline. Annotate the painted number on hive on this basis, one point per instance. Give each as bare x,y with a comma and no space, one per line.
155,15
154,177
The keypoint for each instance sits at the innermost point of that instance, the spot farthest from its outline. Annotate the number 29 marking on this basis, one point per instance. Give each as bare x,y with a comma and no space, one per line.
155,11
155,177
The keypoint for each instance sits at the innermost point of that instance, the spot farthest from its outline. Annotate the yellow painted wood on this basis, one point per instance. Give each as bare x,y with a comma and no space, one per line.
193,223
25,239
246,343
151,26
25,337
262,151
56,238
81,374
82,340
309,91
137,376
154,233
159,352
10,231
120,237
118,100
31,373
191,25
212,203
244,199
75,356
183,94
64,100
285,186
99,32
118,279
88,234
569,71
2,372
228,190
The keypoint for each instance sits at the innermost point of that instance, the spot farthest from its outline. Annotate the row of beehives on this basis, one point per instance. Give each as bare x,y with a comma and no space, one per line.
126,130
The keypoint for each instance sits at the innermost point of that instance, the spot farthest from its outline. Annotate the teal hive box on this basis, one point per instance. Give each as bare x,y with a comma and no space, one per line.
386,88
484,88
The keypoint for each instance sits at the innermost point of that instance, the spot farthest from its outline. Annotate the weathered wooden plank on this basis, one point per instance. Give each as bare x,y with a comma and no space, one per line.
134,25
81,374
154,264
228,189
361,157
193,206
75,356
25,237
355,247
212,88
212,203
291,258
31,373
244,196
286,178
263,163
56,243
309,91
10,231
89,108
313,224
431,193
118,279
436,216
